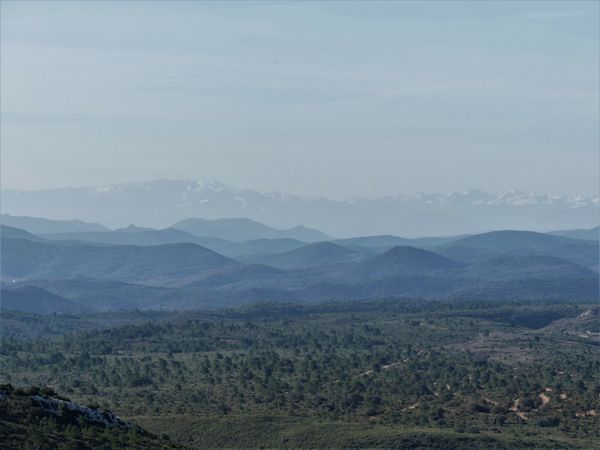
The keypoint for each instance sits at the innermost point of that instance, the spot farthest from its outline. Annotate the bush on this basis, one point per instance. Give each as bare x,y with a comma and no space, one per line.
479,408
548,422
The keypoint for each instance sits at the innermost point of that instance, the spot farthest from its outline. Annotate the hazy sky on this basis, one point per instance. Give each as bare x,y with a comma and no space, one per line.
320,98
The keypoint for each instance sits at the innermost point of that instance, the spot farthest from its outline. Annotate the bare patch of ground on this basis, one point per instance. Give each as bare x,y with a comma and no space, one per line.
515,409
413,406
498,346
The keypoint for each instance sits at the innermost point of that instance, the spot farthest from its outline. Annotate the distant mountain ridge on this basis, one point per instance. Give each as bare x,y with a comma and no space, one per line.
592,234
521,243
521,267
18,233
162,203
196,230
45,276
241,229
404,260
314,255
129,237
38,225
37,300
163,264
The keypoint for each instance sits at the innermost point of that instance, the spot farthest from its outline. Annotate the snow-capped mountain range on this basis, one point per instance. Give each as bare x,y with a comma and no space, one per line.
161,203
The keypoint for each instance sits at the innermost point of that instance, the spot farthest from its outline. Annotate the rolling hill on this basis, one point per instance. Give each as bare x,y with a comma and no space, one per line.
102,276
141,236
402,261
38,225
480,247
585,253
32,299
157,265
526,289
261,247
107,295
239,230
388,241
520,267
17,233
586,324
315,255
38,418
591,234
145,236
510,241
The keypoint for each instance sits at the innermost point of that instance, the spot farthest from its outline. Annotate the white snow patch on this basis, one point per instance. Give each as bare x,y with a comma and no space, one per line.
242,201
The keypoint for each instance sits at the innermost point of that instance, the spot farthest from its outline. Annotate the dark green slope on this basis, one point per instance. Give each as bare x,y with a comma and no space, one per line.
38,225
137,236
592,234
38,419
33,299
160,264
315,255
240,229
404,260
18,233
510,240
106,295
520,243
385,242
265,246
520,267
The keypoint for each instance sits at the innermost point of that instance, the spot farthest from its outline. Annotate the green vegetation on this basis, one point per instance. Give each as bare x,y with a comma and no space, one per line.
28,420
365,374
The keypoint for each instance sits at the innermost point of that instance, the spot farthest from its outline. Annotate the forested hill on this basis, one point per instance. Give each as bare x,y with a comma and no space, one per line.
388,374
40,419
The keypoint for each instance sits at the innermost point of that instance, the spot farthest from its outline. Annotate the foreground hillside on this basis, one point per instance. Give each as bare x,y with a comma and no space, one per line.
394,373
40,419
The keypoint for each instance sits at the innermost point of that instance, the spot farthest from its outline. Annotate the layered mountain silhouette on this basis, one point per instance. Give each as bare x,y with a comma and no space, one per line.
160,264
315,255
245,229
520,243
138,236
591,234
522,267
33,299
17,233
129,236
386,242
405,260
140,268
40,225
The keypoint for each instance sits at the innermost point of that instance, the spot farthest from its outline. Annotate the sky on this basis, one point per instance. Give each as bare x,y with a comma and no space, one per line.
333,99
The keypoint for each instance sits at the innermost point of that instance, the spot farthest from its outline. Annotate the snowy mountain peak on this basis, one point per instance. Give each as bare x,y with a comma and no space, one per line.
161,203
